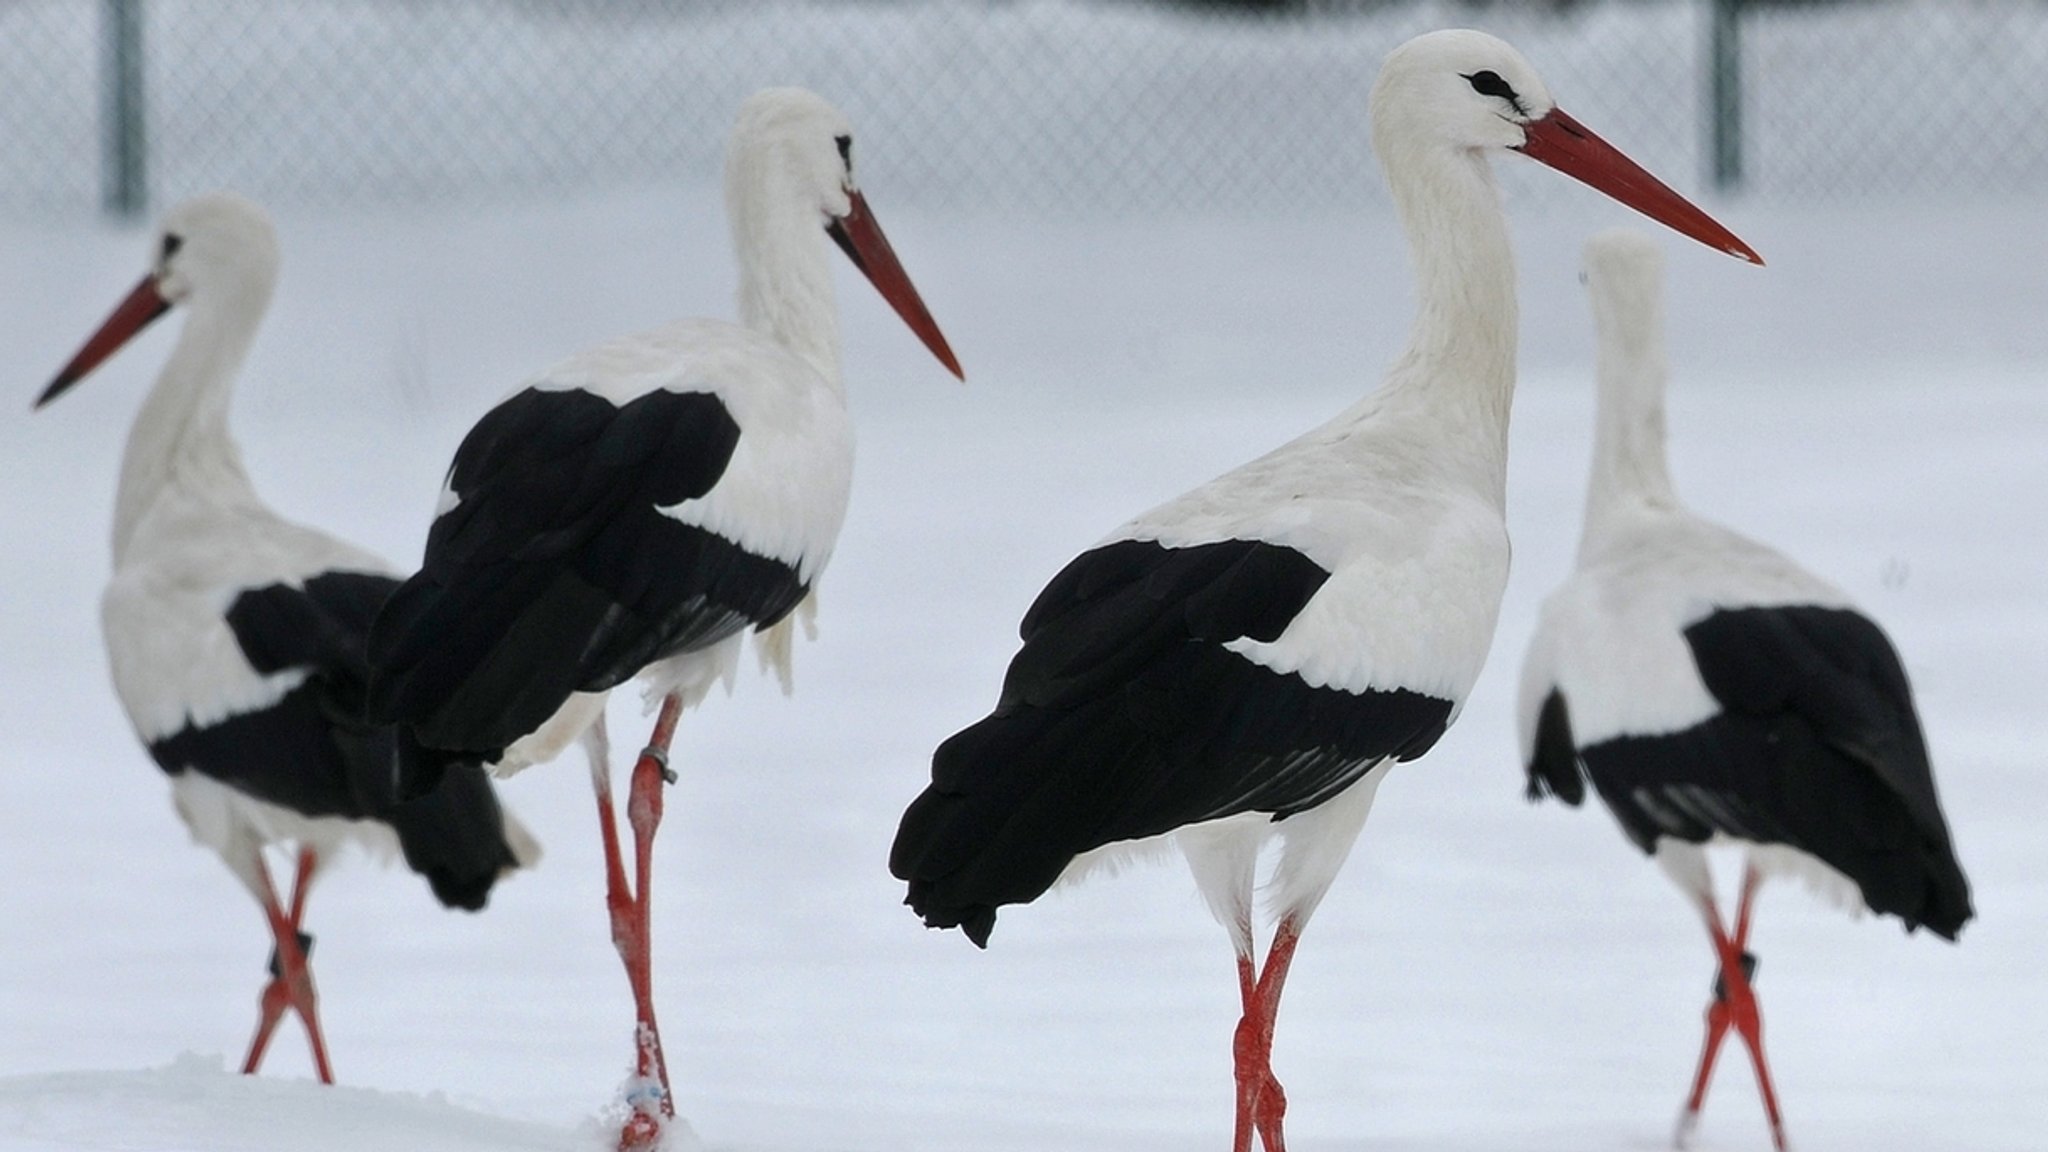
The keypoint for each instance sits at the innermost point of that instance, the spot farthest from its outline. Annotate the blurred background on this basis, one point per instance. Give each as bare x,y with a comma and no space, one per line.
1113,105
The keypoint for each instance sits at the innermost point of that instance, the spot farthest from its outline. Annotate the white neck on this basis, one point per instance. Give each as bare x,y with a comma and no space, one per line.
1629,469
180,439
785,289
1457,376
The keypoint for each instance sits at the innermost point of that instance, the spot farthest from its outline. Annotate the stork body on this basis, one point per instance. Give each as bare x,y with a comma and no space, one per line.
642,507
1245,662
1712,691
237,638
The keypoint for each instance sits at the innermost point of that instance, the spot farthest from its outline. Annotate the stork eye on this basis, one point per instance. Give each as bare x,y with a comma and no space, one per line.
172,242
845,150
1489,83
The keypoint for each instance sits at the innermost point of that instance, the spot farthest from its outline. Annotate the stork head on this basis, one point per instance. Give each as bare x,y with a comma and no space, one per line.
218,247
791,158
1462,90
1456,89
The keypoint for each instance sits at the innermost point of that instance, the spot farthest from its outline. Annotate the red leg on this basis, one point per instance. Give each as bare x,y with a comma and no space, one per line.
1751,881
1717,1031
302,883
1244,1048
650,1097
271,1004
1734,1006
292,984
1717,1028
1748,1018
1272,1105
298,975
1261,1102
618,898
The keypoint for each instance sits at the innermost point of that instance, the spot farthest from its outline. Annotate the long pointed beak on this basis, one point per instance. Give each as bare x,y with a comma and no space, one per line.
860,237
132,315
1573,149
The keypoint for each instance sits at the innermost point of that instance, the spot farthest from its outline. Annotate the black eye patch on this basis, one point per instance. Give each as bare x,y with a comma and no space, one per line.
845,151
1488,83
172,242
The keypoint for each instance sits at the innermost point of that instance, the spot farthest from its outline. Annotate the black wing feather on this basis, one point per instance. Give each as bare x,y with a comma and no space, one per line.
1818,747
1124,716
314,752
1838,670
555,573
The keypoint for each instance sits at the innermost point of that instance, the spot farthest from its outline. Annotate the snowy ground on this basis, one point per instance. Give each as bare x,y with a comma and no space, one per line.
1485,975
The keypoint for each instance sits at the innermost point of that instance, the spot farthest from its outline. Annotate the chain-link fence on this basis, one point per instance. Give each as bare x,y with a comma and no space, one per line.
1052,105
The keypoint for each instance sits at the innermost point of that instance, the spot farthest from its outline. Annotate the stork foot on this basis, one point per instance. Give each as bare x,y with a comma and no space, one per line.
1688,1123
642,1133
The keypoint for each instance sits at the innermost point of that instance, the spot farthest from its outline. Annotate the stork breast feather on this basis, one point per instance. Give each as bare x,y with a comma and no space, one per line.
1397,616
175,662
1629,676
783,494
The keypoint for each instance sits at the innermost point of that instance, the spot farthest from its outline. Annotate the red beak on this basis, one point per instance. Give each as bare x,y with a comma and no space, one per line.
860,237
132,315
1573,149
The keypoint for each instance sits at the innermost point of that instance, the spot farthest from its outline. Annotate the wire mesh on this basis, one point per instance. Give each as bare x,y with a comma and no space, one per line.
1054,106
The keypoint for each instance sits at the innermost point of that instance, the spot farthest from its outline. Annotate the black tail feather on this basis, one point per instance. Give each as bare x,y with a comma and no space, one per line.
454,835
1554,767
1948,905
422,770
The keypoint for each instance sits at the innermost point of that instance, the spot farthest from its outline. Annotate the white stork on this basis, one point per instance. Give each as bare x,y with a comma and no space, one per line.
237,638
1713,691
639,508
1245,662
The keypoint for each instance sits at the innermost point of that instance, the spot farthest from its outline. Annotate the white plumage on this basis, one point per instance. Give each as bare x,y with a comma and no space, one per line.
1414,540
1247,661
1647,570
640,508
236,638
1713,692
174,660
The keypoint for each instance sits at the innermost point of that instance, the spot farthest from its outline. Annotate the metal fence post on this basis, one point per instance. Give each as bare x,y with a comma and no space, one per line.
124,177
1725,65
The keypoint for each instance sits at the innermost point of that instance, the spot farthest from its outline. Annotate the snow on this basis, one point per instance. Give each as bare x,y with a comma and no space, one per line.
1484,975
195,1102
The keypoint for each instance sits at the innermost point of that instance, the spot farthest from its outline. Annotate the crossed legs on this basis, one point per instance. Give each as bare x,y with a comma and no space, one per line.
1734,1006
1261,1104
291,981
